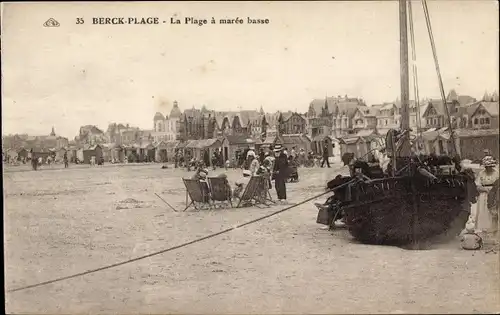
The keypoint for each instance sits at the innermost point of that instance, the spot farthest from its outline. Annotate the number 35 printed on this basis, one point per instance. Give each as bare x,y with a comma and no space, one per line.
79,21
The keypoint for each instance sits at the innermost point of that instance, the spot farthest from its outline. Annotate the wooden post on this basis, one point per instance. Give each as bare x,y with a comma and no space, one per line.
405,83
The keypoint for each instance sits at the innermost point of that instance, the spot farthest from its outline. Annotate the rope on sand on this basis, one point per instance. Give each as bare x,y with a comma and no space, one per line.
177,246
40,284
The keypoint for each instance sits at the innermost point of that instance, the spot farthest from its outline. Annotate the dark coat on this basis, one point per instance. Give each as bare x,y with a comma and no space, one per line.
281,166
325,151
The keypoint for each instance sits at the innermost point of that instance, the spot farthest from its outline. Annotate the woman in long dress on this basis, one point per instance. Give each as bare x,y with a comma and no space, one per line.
486,220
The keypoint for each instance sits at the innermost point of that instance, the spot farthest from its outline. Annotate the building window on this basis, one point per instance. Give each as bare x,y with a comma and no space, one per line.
487,120
481,121
476,121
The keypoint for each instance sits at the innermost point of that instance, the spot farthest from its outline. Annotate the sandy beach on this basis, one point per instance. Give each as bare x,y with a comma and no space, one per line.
59,222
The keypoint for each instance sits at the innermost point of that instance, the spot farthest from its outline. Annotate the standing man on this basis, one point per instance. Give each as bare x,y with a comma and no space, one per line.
280,173
34,160
325,155
65,158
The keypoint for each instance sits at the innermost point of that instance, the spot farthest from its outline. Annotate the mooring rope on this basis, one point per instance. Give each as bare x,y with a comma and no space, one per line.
178,246
44,283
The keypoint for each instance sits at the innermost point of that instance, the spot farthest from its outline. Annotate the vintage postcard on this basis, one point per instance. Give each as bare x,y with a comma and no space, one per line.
250,157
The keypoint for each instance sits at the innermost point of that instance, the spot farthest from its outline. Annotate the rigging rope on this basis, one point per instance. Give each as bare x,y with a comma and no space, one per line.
434,53
415,76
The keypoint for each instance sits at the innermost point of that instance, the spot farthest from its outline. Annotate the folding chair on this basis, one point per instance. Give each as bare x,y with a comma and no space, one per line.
253,192
263,191
220,191
198,193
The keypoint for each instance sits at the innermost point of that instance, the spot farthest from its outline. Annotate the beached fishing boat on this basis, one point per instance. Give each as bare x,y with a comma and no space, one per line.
419,196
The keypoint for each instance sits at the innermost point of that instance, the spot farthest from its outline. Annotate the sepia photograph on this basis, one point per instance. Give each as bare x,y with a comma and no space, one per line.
246,157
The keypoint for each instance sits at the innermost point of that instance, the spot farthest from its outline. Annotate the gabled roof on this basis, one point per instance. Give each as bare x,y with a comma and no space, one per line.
335,103
438,105
90,128
452,95
367,111
246,116
490,107
272,119
465,100
287,115
219,117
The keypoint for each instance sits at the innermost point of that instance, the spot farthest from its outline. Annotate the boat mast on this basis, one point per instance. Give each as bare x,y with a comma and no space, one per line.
405,83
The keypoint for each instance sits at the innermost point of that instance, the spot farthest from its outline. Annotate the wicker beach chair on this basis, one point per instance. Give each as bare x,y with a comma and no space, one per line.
198,193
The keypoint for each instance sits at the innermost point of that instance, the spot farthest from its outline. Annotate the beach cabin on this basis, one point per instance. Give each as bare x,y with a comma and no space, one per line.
235,144
161,153
89,152
117,153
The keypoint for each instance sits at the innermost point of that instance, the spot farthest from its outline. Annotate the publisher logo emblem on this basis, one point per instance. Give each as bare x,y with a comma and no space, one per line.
51,23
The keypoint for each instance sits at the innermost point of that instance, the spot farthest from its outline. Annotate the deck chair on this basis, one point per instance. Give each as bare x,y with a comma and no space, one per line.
252,193
263,192
220,191
199,195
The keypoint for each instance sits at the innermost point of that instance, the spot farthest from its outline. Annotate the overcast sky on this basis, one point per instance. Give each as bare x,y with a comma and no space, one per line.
75,75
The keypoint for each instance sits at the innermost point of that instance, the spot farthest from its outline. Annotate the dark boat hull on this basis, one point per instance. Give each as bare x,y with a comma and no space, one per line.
403,210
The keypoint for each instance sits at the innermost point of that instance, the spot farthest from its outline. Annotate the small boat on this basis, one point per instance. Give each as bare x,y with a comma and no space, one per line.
419,197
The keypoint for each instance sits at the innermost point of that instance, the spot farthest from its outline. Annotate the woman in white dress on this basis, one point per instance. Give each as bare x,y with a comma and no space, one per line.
486,220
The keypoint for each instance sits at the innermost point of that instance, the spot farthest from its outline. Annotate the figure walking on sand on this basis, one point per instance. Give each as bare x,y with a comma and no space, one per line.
281,173
325,156
34,160
65,158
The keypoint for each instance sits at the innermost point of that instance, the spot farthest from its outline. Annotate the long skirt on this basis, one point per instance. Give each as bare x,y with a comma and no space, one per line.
279,182
486,219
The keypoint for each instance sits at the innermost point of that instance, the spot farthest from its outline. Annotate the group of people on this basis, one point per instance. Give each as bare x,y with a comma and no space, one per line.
273,166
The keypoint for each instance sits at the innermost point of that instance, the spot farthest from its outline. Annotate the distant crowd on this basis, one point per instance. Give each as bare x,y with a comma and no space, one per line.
297,157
